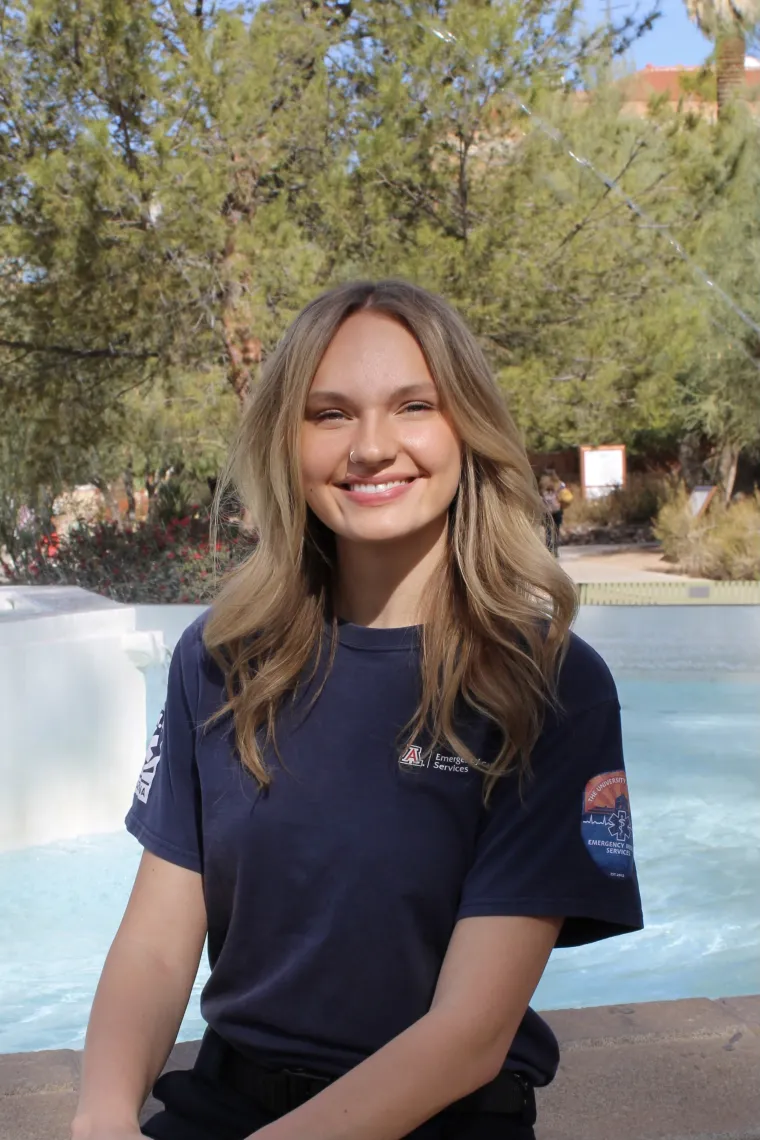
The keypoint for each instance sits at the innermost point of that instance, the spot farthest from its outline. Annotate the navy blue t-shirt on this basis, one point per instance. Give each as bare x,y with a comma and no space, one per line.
332,897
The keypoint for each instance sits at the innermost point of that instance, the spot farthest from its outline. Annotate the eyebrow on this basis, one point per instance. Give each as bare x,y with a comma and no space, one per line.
405,392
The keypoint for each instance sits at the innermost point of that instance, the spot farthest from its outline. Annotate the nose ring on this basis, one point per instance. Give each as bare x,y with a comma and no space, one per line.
351,457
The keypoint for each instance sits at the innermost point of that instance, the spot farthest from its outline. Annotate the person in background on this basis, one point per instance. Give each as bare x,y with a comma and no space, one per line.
388,780
556,496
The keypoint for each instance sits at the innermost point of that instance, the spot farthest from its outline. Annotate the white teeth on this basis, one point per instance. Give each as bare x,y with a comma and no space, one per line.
375,488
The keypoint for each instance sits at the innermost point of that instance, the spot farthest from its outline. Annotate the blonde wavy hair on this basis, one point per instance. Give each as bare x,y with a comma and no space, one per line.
499,609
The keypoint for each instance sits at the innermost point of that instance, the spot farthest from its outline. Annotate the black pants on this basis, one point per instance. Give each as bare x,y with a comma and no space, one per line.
198,1108
552,531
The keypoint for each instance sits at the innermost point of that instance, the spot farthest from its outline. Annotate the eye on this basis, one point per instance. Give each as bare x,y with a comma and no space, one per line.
327,415
418,406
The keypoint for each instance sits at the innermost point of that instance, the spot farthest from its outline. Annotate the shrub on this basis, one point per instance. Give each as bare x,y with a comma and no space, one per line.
140,564
178,496
723,543
626,515
636,504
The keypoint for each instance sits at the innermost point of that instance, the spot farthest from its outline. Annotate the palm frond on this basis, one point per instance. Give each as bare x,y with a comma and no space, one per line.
715,16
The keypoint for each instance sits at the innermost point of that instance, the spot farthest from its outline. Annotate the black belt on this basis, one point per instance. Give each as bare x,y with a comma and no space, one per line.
281,1090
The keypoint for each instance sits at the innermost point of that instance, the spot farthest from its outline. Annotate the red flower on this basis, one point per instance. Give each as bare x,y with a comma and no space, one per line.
170,554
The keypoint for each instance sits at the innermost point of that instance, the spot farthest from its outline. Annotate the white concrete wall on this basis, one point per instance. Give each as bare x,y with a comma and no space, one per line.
72,712
171,620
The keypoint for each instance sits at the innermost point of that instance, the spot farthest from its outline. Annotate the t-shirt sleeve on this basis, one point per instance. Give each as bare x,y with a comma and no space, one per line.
165,816
564,847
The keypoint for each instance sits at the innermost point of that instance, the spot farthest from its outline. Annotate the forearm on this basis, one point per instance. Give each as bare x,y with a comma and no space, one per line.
136,1014
410,1079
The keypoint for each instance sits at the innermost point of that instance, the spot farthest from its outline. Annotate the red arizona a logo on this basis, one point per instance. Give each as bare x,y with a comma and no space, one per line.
413,757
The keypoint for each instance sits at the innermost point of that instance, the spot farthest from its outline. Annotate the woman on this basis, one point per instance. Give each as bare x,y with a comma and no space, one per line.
380,776
556,496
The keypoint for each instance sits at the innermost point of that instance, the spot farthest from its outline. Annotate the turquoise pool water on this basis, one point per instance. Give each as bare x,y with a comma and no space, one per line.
689,686
693,753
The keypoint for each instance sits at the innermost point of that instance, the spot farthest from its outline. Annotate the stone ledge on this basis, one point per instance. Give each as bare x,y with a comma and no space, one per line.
51,1071
683,1070
616,1025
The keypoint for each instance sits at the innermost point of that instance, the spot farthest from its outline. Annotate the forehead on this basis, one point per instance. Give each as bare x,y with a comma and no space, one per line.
371,351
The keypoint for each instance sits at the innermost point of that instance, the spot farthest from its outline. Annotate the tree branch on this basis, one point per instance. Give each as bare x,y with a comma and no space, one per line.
78,353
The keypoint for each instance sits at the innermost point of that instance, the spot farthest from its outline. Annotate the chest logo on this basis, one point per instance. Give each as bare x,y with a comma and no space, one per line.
412,758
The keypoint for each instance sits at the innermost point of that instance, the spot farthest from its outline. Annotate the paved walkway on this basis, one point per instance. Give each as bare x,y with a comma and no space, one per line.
617,564
685,1070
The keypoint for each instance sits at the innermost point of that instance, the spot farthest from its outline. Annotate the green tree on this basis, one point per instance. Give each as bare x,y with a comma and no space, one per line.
718,164
454,189
178,181
154,166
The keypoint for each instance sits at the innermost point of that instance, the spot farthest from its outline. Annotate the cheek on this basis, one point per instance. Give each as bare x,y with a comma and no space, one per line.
438,448
320,461
314,457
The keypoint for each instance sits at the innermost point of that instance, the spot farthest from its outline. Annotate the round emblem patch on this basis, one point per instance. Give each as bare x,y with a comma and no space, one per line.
606,824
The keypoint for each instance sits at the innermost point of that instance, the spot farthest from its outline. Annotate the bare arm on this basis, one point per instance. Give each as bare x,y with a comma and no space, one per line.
141,998
492,966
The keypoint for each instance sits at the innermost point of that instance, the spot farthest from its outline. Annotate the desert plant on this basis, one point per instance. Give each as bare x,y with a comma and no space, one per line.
636,504
722,544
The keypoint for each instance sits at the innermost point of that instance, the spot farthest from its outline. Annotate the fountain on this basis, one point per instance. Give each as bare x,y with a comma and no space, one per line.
72,706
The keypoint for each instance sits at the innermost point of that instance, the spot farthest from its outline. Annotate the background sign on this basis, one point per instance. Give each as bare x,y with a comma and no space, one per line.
699,500
603,469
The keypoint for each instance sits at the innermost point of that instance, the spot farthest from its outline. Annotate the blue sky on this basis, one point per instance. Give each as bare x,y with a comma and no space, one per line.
673,40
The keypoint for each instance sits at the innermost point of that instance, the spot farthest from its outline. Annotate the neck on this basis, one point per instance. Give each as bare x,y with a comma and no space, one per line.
383,584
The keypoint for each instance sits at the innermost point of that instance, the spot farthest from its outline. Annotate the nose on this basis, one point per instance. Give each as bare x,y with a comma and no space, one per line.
373,443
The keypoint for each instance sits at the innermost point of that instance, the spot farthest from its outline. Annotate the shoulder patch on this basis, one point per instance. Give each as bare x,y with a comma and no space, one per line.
606,824
152,758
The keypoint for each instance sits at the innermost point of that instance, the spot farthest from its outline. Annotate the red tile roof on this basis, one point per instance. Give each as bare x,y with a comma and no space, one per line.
652,80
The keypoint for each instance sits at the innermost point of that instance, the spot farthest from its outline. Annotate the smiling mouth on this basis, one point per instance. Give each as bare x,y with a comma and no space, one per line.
375,488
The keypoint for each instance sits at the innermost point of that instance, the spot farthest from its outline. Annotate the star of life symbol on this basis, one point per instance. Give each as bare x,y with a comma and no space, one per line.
413,757
152,757
619,824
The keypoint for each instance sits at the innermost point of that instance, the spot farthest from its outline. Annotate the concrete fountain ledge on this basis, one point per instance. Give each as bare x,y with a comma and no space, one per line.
681,1070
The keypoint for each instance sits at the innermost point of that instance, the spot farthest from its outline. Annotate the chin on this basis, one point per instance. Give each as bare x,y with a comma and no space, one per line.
383,533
